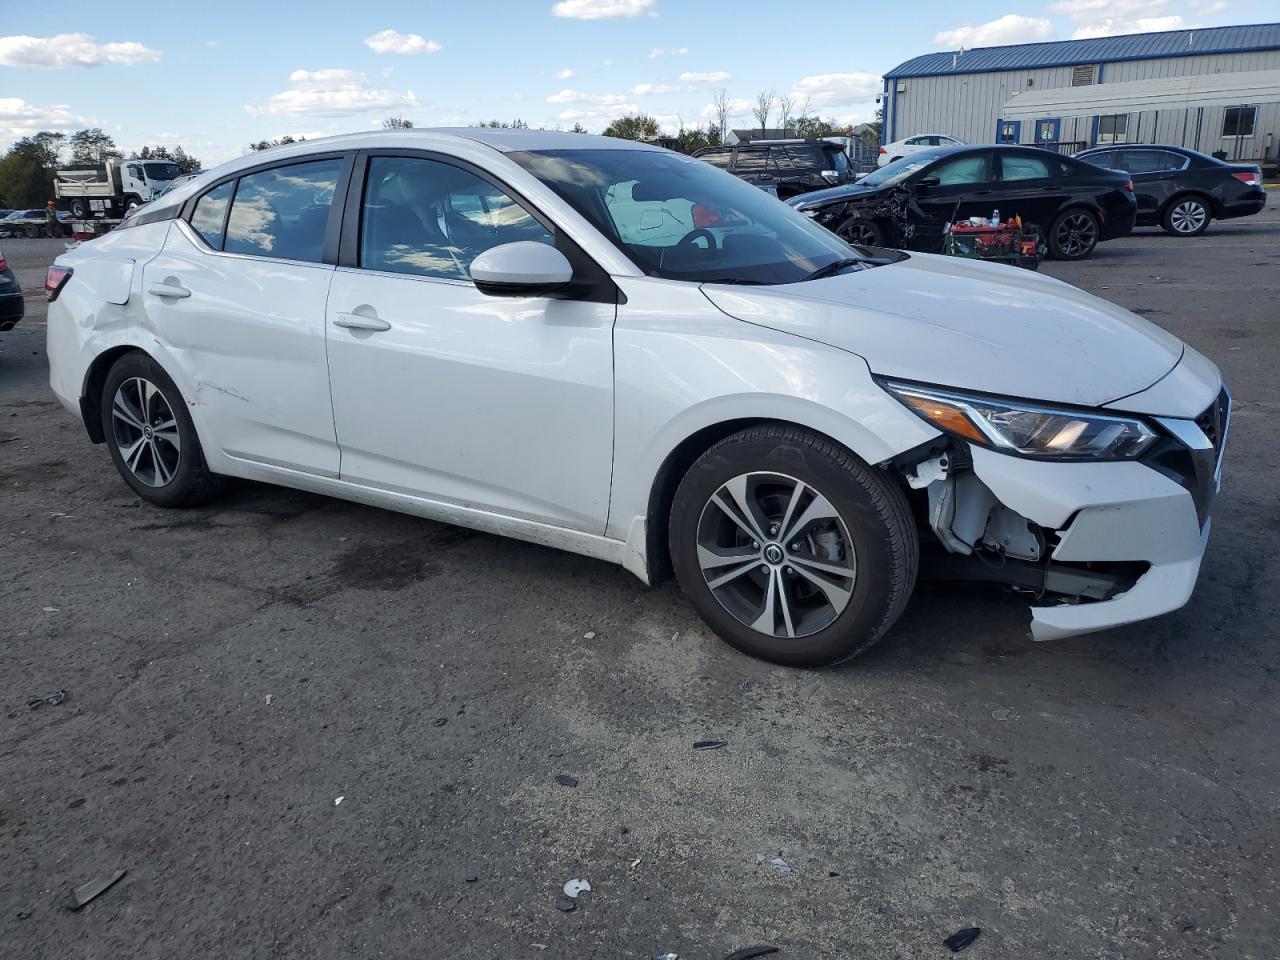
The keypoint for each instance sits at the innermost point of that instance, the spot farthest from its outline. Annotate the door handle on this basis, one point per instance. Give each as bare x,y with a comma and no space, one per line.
353,321
174,290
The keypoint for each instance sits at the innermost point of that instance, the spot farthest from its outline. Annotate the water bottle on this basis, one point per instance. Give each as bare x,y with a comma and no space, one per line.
995,218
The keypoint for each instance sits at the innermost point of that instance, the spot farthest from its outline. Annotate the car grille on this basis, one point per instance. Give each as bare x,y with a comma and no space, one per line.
1213,423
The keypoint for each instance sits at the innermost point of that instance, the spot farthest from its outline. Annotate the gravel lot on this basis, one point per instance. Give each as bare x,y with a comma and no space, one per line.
233,670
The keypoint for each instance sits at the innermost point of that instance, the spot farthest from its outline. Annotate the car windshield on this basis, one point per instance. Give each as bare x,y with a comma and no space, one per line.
892,173
162,171
681,219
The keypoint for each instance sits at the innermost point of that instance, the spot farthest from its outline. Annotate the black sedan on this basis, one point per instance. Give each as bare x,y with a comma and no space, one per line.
11,303
1182,190
907,203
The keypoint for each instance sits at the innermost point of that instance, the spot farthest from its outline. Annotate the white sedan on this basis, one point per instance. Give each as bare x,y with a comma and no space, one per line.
623,352
925,141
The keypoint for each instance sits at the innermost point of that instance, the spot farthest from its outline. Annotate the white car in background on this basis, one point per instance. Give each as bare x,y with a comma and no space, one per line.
900,148
620,351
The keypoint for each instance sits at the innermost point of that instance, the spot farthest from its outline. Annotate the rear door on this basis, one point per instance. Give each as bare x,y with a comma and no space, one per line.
1155,175
753,165
1030,187
238,295
965,188
500,404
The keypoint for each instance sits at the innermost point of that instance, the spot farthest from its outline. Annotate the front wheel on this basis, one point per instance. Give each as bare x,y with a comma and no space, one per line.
860,232
1074,235
1186,217
151,437
792,549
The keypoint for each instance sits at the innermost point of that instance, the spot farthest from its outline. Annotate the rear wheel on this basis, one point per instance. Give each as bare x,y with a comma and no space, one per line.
79,209
792,549
1186,217
1074,235
151,437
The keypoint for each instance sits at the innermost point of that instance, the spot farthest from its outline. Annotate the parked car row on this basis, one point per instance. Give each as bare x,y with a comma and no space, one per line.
28,223
785,168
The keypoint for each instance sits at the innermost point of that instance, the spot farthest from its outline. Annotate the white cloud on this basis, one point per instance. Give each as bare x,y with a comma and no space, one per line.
1011,28
604,9
657,52
1108,18
392,41
596,117
711,76
564,74
577,96
651,89
1209,8
824,91
70,50
20,119
332,93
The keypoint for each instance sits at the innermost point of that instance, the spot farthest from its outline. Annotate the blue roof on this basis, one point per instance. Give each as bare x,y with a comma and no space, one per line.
1066,53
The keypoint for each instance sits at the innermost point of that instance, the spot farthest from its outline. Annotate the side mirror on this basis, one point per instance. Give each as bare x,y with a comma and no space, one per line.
525,268
928,182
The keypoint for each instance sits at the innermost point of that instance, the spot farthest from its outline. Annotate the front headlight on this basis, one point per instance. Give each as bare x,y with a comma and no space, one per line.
1031,430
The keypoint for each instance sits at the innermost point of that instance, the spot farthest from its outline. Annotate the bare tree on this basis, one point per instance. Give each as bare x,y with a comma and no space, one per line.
762,109
720,113
786,107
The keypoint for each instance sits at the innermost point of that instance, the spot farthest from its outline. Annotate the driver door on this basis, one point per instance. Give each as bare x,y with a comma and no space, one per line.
497,403
965,188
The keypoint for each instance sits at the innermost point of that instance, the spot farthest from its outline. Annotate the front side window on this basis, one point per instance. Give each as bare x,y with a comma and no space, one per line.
1024,167
1113,128
211,213
971,168
431,219
680,219
283,212
837,160
1238,121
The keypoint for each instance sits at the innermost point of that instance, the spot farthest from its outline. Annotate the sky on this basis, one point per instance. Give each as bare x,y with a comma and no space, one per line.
214,78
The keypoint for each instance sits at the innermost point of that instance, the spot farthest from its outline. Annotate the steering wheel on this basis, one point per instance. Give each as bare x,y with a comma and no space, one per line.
698,234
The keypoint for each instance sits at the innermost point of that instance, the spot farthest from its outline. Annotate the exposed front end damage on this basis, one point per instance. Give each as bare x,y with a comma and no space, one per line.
1096,544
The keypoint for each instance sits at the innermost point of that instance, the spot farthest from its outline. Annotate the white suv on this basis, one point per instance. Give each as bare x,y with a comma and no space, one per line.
620,351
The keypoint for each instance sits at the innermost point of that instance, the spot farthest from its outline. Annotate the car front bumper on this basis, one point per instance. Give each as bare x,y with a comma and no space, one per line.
1125,513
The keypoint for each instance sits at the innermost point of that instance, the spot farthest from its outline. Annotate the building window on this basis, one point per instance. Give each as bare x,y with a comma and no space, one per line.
1238,121
1113,127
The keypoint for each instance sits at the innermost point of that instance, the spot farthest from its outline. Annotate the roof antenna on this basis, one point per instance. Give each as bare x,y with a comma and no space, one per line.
955,57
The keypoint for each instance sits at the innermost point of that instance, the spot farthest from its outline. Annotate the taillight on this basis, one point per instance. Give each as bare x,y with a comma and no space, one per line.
883,150
4,264
55,280
1249,178
1128,185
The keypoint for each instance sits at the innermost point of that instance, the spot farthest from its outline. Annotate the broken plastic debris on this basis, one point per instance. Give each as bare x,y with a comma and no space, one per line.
779,865
575,887
710,744
675,637
746,953
93,888
267,699
962,938
566,904
589,635
50,609
52,700
567,781
1003,714
667,956
338,800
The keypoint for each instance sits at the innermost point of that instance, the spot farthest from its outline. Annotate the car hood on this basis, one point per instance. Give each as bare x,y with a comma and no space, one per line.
818,198
977,326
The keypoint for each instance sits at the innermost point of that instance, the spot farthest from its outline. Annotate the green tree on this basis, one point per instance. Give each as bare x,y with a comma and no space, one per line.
268,144
27,169
818,127
516,124
177,155
91,147
639,126
397,123
577,128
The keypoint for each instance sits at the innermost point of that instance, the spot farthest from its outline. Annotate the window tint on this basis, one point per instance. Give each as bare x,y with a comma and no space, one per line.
432,219
1024,167
717,158
794,159
1107,159
1149,161
973,168
283,212
752,160
211,213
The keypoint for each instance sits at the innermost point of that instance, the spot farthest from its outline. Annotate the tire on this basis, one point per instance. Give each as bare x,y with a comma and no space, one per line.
861,232
78,209
158,454
131,204
1074,234
1186,216
845,568
31,231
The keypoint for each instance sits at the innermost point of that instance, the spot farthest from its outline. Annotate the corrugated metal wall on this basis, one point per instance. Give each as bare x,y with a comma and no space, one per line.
968,105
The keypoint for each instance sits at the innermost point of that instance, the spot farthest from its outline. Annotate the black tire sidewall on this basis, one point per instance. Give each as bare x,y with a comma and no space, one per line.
861,622
1056,251
191,473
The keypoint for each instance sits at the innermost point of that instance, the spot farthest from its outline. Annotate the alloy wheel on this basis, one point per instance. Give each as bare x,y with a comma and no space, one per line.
146,432
776,554
1188,216
1077,234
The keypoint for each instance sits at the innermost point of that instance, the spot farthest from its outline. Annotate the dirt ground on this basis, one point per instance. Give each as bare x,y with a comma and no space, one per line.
236,669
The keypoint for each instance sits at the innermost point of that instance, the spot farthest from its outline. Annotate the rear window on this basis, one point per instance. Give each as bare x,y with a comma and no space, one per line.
1024,167
283,212
837,159
796,158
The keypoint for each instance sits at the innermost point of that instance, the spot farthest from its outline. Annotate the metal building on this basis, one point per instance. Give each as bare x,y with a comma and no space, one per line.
1214,90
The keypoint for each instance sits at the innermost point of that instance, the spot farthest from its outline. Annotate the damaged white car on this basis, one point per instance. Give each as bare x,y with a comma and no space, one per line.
619,351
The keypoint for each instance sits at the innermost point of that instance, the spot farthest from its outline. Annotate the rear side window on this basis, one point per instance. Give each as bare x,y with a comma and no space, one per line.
1021,167
1150,161
974,168
795,158
1107,159
717,158
283,212
753,160
211,213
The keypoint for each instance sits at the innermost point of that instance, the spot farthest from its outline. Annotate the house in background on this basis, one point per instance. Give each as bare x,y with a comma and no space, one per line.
1213,90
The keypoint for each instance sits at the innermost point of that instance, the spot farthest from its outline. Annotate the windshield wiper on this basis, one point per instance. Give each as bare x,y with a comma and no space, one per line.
737,280
831,269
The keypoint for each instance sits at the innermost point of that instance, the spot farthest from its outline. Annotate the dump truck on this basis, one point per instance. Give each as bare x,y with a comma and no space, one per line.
113,189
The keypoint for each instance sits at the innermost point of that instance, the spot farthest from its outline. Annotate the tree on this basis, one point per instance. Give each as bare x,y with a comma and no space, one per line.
720,108
397,123
184,160
762,109
577,128
878,123
91,147
805,126
27,169
786,107
268,144
639,126
516,124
